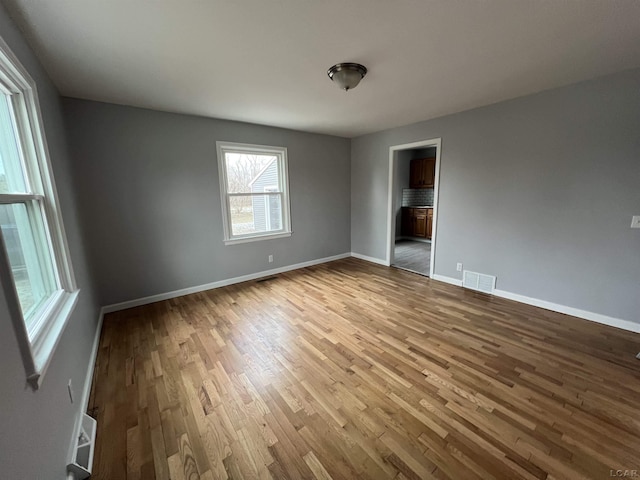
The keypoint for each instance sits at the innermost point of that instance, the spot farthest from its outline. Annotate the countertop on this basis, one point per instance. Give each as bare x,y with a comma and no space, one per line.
418,206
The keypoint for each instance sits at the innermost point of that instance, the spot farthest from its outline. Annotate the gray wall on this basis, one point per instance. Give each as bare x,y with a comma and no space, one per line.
151,201
538,191
37,426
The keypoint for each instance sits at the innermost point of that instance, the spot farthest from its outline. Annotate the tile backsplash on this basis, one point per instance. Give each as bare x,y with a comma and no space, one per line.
417,196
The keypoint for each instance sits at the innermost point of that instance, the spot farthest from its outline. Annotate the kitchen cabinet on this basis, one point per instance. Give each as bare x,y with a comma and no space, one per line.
420,222
417,222
422,173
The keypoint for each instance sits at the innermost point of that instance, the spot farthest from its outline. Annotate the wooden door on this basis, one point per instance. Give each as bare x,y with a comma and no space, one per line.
422,172
415,174
420,222
429,172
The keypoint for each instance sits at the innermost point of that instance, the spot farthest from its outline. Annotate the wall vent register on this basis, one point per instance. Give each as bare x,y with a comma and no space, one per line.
479,281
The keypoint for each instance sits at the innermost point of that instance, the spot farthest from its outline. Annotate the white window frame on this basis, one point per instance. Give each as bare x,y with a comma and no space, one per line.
38,343
281,159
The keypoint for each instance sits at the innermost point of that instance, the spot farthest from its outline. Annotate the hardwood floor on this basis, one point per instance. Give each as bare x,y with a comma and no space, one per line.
352,370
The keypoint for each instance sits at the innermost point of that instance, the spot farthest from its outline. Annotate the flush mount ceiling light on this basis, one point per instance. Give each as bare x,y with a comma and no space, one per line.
347,75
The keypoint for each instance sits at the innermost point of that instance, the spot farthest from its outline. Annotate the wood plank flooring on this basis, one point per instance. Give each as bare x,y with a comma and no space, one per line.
352,370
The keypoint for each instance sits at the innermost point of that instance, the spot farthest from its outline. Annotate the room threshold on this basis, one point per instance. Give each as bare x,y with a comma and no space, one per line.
426,275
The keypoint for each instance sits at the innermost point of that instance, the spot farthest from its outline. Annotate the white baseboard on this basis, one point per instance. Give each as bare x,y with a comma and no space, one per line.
575,312
452,281
222,283
555,307
370,259
88,382
92,363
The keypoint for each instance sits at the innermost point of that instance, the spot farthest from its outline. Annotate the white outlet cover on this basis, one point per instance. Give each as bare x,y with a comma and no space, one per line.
635,221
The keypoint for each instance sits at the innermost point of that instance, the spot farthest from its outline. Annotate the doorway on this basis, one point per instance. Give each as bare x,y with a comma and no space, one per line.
414,171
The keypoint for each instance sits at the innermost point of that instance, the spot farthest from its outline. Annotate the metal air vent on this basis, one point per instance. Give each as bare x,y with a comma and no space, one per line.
478,281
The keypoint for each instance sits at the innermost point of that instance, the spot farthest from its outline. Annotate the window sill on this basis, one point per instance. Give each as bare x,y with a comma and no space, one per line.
44,345
257,238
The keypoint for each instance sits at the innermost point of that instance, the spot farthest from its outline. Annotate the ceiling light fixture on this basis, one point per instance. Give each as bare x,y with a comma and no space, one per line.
347,75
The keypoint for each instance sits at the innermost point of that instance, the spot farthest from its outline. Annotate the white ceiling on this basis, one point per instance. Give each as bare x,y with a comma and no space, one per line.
265,61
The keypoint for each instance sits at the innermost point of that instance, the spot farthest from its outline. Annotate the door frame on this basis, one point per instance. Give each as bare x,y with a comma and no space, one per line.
391,214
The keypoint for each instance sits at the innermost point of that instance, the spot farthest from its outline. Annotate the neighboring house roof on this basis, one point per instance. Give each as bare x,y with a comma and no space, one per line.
261,172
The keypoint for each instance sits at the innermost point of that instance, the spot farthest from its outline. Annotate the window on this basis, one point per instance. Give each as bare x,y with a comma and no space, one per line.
255,192
35,270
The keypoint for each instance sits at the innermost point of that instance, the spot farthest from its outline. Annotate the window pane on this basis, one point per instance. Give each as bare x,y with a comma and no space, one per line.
11,172
249,173
31,266
256,213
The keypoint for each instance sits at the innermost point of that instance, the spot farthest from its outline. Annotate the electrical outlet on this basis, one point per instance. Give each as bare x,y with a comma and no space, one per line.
459,266
270,258
635,221
70,388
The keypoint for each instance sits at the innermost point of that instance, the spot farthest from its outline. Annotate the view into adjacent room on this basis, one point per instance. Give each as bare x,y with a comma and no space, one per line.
414,196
